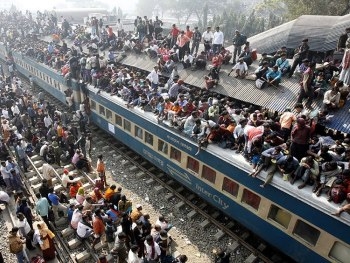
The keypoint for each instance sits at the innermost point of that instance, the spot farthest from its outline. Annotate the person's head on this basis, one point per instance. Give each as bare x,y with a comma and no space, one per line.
139,207
134,248
20,216
305,41
14,230
139,224
100,156
241,61
113,187
182,258
217,29
275,68
298,107
237,32
149,240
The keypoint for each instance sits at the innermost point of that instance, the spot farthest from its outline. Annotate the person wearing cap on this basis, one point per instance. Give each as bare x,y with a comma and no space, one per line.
342,40
238,41
301,53
283,64
16,244
273,77
207,39
196,39
136,213
306,89
241,69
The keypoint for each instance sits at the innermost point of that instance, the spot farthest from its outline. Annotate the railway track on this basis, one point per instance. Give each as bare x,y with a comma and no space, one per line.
259,251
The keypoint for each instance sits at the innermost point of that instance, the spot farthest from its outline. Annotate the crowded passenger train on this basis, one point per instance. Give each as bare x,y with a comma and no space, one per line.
292,218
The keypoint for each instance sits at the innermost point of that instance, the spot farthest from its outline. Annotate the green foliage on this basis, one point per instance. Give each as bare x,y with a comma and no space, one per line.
291,9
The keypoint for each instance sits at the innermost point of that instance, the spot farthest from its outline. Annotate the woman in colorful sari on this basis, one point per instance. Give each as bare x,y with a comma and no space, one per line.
47,246
80,197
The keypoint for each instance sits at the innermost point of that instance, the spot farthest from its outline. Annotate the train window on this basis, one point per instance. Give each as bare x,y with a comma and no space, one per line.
209,174
108,114
102,110
92,105
148,138
138,132
118,120
340,252
127,125
175,154
230,186
59,86
279,215
251,199
192,164
162,146
306,232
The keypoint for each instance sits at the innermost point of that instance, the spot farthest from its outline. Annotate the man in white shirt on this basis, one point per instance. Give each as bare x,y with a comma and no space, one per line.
241,69
132,256
6,175
152,250
119,26
218,40
47,121
154,78
207,39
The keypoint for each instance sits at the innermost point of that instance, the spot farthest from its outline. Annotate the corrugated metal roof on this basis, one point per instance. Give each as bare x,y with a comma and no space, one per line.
322,31
275,99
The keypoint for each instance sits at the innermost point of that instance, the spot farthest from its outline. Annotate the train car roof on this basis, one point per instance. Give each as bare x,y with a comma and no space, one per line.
305,195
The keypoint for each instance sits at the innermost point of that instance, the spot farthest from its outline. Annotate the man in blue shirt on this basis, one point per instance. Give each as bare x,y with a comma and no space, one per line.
274,76
56,205
42,208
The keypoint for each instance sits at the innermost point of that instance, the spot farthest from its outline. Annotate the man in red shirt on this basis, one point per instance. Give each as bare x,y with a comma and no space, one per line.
183,42
174,32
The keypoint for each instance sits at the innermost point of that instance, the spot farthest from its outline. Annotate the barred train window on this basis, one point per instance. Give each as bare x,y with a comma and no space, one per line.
162,146
118,120
280,216
92,105
102,110
209,174
230,186
192,164
127,125
138,132
108,114
251,199
340,252
148,138
306,232
175,154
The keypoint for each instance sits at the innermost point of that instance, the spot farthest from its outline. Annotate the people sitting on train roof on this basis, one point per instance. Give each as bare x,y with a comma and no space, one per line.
266,58
273,77
240,69
283,64
331,98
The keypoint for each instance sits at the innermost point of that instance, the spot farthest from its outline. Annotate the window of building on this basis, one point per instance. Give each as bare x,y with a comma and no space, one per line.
101,110
230,186
138,132
148,138
127,125
92,105
192,164
175,154
251,199
162,146
340,252
118,120
280,216
108,114
209,174
306,232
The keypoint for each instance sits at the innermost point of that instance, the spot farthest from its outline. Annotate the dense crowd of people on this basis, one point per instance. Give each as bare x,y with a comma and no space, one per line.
294,143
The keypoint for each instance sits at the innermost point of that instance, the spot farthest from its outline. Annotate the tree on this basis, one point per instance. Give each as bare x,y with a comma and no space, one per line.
292,9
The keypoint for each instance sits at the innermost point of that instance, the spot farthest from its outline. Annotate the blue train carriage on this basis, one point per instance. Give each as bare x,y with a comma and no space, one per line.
294,221
280,215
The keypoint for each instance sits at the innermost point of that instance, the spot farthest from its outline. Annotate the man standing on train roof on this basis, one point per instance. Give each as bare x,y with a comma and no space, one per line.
238,41
153,77
342,40
301,53
218,40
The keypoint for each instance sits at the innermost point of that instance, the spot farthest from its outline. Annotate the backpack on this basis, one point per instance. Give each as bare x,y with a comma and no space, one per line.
15,246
